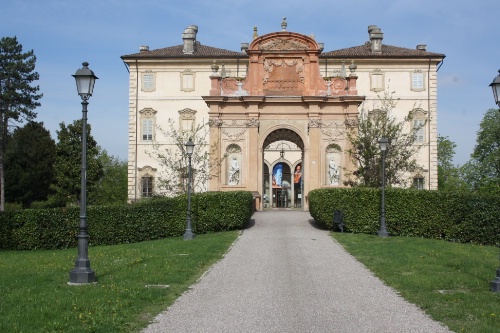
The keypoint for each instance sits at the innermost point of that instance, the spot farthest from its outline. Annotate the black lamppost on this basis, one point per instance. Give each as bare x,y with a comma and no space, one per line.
82,273
383,142
188,235
495,85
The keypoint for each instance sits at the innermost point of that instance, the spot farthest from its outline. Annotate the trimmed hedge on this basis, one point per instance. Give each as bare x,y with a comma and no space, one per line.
147,220
459,217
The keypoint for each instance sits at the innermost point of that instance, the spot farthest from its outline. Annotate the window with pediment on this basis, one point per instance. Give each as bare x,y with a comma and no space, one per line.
147,118
418,124
187,120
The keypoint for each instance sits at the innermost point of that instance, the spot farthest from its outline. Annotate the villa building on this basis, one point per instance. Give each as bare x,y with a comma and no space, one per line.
276,109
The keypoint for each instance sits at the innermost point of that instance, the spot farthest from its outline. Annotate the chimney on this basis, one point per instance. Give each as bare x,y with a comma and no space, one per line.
189,39
144,48
422,47
376,37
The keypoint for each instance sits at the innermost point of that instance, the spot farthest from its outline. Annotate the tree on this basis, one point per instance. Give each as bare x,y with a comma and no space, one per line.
364,133
18,98
111,189
67,166
29,160
482,172
173,179
450,177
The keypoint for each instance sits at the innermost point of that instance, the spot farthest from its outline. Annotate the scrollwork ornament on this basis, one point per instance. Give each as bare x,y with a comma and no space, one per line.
315,123
253,122
215,122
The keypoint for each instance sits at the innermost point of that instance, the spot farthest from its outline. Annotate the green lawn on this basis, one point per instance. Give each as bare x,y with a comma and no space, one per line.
130,289
449,281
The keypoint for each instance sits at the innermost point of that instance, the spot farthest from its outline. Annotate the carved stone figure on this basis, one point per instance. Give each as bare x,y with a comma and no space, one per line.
234,172
333,172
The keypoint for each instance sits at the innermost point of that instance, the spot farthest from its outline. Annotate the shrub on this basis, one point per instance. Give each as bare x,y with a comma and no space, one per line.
57,228
460,217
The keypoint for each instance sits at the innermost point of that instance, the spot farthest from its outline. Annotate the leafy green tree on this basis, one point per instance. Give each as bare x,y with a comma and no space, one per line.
67,166
18,98
364,134
482,172
111,189
29,160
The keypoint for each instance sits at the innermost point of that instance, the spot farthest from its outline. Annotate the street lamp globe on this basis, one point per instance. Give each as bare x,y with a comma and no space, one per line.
85,80
189,147
495,85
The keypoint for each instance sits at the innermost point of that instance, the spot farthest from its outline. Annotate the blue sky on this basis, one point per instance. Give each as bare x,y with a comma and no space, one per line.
65,33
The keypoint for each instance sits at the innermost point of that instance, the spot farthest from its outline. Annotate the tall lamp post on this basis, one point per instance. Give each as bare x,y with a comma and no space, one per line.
82,273
495,85
188,235
383,142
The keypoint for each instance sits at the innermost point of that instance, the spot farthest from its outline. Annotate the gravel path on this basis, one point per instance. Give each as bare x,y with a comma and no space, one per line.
285,275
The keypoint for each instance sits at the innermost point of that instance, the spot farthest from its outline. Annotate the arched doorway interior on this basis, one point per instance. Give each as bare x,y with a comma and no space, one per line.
282,183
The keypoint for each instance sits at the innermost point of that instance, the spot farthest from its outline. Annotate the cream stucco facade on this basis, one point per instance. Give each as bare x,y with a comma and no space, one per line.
278,104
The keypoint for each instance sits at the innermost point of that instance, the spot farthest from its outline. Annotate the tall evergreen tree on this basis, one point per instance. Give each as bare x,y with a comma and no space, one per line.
18,98
29,160
67,166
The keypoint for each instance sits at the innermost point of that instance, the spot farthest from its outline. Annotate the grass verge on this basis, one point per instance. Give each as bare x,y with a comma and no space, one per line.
130,290
449,281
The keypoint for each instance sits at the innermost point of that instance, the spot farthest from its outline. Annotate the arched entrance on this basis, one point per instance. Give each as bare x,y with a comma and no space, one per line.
282,181
283,104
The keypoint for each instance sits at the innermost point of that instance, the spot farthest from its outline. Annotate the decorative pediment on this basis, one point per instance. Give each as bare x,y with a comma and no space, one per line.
283,44
148,112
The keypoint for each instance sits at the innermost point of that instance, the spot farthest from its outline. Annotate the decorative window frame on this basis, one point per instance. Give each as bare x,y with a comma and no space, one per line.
147,114
145,85
419,115
420,87
418,179
187,115
147,172
184,74
377,73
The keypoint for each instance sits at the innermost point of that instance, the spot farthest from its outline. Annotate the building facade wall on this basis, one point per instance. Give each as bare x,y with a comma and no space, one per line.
165,87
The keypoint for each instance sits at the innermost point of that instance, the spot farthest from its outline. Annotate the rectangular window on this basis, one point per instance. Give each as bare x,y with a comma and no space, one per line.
187,82
377,81
147,187
419,129
187,125
418,183
147,129
148,82
417,81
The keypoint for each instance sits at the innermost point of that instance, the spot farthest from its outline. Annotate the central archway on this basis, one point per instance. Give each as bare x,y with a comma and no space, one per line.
282,176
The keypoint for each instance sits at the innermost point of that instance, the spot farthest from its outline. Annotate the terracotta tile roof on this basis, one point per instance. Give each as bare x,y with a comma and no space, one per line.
201,51
388,51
